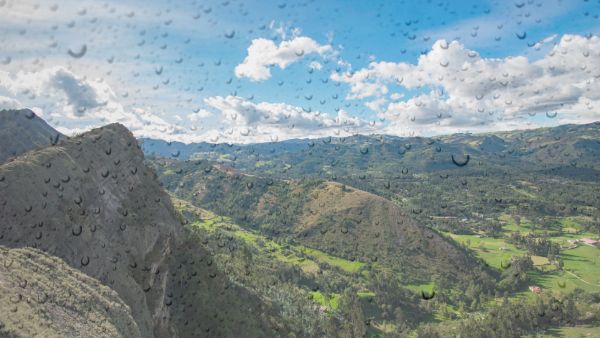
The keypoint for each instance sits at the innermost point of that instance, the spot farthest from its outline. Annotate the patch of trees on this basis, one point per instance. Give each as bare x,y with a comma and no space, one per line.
521,317
515,277
535,245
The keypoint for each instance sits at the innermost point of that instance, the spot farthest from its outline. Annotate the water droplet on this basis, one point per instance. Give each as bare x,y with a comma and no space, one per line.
427,296
80,53
54,139
16,298
521,35
76,230
42,297
462,163
230,34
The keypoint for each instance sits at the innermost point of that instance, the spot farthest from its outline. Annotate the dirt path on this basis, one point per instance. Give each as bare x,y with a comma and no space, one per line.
581,279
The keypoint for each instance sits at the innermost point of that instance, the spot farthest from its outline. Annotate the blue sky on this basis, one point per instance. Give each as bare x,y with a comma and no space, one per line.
256,71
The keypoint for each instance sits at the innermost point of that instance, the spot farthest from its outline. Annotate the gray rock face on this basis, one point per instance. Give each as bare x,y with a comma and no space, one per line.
22,131
91,201
41,296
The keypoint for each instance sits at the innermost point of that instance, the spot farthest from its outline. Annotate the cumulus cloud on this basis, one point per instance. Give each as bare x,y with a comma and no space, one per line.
74,104
77,94
264,53
460,89
262,122
9,103
199,115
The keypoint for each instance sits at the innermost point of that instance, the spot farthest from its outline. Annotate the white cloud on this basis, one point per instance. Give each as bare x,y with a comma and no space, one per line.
315,65
9,103
264,53
544,41
376,104
262,122
200,115
74,104
464,90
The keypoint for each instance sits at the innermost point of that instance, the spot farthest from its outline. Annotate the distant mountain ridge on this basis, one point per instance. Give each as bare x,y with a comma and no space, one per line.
390,156
21,131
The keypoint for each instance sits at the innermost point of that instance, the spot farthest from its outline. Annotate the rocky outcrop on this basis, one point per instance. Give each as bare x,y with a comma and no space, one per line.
41,296
91,201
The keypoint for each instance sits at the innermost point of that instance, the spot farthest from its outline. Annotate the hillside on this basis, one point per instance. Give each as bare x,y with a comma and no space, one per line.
475,219
92,202
334,218
21,131
310,251
40,295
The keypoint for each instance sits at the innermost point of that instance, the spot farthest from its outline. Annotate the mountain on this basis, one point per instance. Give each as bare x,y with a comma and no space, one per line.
40,295
571,146
446,181
332,217
348,237
404,232
21,131
92,202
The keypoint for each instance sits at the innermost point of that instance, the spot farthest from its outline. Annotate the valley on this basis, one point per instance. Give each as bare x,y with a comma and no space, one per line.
520,214
299,169
399,240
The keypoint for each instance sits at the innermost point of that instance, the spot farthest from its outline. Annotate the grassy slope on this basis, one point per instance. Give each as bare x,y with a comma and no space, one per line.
307,259
572,332
310,261
582,261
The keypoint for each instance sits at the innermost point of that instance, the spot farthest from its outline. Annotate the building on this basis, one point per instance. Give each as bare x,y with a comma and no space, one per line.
589,241
535,289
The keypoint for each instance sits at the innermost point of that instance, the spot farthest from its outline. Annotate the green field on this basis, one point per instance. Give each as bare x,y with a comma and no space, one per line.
573,332
344,264
495,251
330,302
581,264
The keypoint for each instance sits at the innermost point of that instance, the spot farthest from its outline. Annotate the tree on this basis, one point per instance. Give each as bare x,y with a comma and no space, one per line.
352,314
